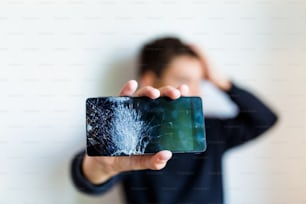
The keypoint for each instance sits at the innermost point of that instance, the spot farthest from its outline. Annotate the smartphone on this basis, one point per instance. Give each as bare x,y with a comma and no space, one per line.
118,126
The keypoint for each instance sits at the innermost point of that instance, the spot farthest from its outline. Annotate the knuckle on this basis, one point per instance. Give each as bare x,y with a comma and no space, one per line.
155,166
168,87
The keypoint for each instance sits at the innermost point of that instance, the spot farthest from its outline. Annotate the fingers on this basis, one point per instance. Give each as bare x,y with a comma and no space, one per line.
184,89
129,88
170,92
173,93
148,91
204,60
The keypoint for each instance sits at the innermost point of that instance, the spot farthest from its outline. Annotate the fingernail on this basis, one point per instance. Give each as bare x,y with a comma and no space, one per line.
133,83
176,94
165,156
156,93
185,89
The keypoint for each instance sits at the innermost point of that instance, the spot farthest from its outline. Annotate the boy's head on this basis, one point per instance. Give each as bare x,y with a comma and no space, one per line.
169,61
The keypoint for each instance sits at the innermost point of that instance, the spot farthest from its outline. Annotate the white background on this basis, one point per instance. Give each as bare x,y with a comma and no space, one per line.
56,53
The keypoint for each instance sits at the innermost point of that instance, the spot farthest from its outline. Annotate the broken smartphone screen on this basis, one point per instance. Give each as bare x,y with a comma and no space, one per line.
117,126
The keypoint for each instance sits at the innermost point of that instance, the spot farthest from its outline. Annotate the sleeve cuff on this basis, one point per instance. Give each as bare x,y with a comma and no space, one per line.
82,183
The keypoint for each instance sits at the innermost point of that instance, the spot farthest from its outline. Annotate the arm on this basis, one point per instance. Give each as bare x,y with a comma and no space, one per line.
253,119
97,174
82,183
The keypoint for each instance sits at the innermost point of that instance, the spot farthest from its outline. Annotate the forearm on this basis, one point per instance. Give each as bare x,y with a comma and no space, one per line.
253,119
83,183
251,109
97,174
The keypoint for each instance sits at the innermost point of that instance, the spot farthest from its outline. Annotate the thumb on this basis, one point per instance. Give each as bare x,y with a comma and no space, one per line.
154,162
160,160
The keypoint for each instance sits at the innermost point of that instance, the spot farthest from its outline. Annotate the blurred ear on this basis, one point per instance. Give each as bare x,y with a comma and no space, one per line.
148,79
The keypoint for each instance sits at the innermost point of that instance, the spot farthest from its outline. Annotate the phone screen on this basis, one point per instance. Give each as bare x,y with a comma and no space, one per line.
118,126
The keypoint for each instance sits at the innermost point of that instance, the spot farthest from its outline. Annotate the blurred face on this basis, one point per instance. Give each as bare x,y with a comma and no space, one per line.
183,70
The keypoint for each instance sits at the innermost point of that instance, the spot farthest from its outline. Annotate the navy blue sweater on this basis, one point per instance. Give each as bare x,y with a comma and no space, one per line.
190,178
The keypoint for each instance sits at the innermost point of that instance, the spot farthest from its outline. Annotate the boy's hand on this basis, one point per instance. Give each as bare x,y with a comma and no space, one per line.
99,169
211,74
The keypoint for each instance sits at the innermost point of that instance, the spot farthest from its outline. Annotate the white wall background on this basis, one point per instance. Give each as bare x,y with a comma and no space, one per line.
55,53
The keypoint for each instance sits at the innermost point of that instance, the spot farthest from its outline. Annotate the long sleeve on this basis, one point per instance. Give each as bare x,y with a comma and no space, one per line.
81,182
253,118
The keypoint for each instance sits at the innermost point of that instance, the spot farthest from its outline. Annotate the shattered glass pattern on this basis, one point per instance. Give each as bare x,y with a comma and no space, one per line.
134,126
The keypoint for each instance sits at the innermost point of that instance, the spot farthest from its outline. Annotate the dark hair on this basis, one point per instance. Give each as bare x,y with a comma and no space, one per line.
157,54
